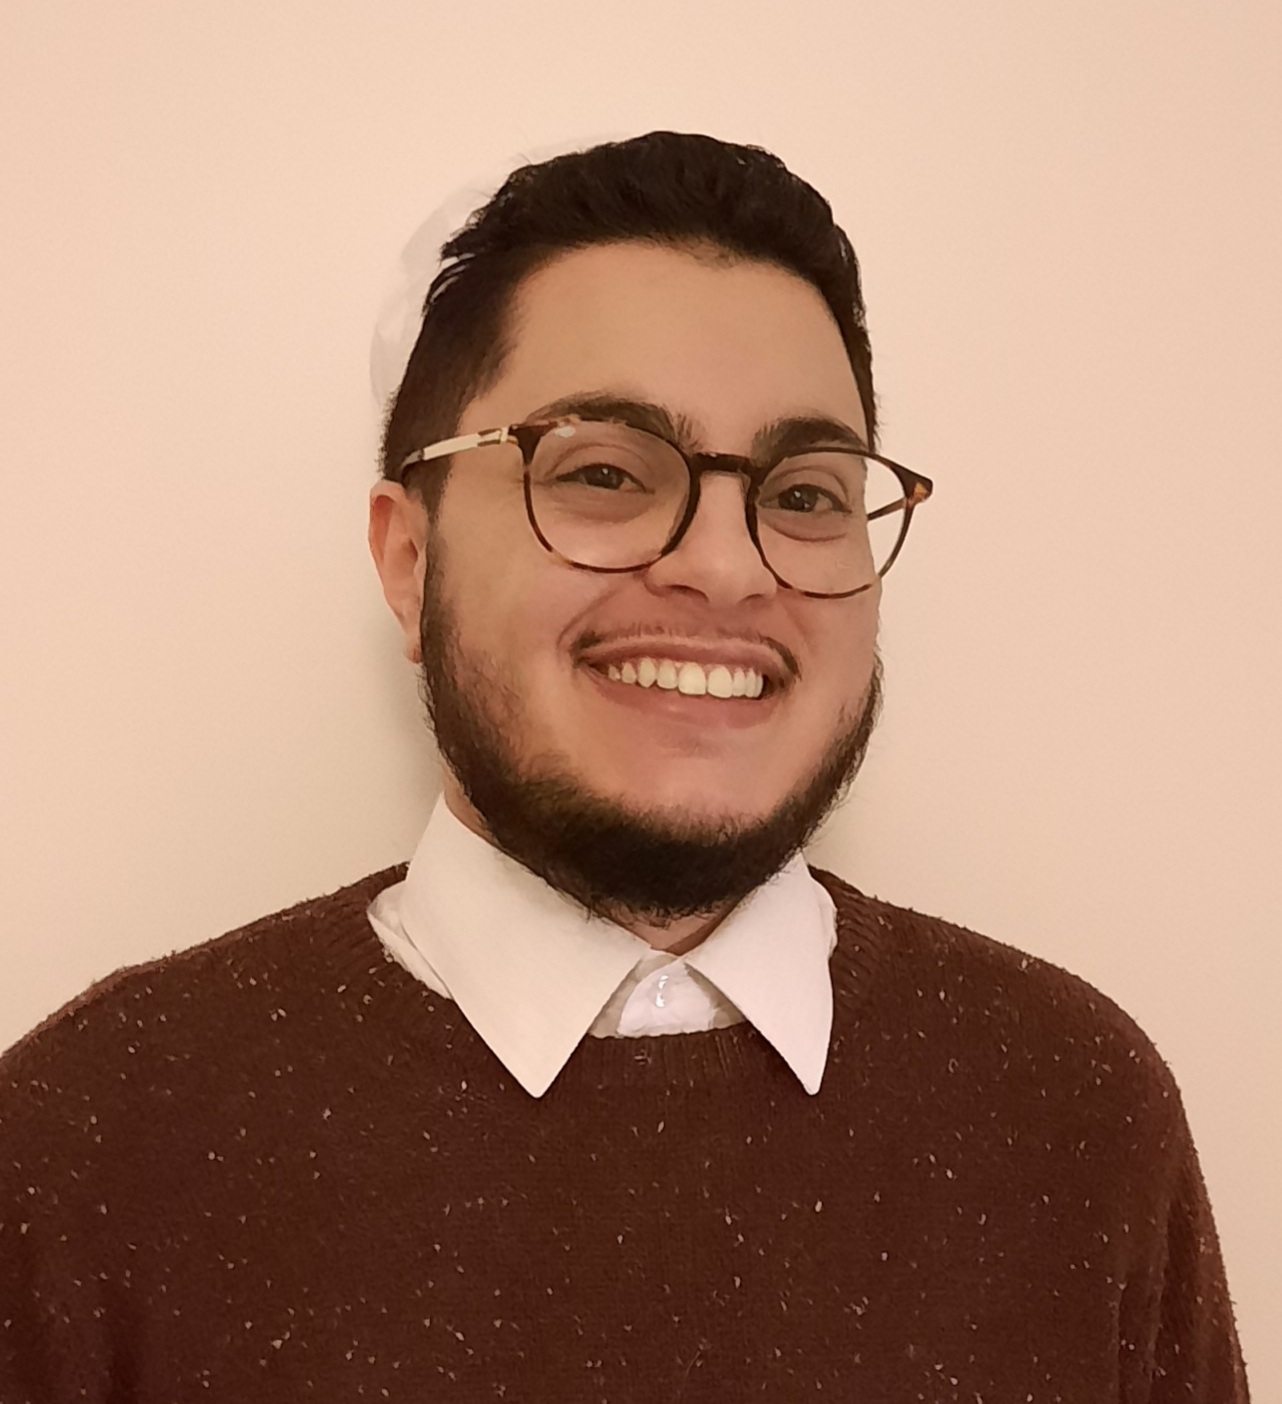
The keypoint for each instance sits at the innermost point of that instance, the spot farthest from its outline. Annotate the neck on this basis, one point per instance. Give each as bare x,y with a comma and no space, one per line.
680,936
676,937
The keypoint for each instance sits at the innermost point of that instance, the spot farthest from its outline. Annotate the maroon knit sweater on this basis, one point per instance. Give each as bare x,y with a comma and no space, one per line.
277,1167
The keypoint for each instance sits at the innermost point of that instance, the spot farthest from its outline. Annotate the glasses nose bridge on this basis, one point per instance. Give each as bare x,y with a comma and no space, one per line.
735,464
732,465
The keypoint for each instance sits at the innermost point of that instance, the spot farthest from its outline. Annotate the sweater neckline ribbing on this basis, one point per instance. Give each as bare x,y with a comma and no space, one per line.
388,997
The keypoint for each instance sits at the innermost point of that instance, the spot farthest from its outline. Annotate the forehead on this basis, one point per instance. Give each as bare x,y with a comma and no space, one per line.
728,344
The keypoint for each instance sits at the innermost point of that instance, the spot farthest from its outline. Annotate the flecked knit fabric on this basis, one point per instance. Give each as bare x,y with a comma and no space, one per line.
277,1167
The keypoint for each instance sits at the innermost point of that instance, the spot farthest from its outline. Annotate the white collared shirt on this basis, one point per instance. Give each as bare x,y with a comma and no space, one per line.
533,973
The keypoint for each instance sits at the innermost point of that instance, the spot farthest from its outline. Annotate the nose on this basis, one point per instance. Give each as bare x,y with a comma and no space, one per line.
716,558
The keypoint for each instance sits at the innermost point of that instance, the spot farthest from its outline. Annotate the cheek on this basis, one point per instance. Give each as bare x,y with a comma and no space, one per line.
516,609
841,647
490,566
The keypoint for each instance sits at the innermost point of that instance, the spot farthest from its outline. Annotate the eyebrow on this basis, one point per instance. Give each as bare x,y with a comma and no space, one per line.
786,435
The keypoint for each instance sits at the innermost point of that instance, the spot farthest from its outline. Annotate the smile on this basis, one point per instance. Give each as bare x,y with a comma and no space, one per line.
691,679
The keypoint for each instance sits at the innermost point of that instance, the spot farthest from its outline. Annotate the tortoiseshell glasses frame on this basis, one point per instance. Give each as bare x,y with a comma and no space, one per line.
528,435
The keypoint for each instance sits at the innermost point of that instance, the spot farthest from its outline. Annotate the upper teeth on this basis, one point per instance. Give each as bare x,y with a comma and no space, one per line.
692,679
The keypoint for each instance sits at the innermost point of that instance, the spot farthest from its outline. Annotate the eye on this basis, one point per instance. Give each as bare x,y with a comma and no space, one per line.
608,476
807,498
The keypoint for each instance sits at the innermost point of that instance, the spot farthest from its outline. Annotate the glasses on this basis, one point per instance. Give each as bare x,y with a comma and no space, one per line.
603,495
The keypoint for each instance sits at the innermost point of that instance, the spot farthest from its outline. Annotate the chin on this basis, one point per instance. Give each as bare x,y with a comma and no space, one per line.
681,806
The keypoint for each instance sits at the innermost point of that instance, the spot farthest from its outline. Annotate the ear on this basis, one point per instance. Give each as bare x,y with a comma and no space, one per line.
398,543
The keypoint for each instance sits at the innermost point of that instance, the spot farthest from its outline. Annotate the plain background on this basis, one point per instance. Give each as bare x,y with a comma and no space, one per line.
1069,222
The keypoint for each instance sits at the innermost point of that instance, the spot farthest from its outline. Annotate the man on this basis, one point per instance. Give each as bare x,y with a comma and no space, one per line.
609,1097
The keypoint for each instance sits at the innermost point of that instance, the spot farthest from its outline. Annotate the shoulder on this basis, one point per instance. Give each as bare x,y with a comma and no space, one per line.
141,1023
1016,1016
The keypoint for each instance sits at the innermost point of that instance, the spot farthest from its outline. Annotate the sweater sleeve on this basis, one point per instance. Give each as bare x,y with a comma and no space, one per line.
53,1317
1196,1356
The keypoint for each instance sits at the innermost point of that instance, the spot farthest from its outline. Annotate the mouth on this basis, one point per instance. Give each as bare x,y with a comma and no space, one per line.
726,684
683,712
726,681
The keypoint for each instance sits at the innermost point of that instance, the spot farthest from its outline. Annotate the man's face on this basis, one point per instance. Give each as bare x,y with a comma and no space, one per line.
529,642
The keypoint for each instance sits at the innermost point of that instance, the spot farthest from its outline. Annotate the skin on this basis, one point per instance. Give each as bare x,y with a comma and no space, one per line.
730,346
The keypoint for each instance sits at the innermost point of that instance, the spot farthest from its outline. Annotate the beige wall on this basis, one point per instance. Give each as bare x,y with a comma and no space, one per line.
1069,221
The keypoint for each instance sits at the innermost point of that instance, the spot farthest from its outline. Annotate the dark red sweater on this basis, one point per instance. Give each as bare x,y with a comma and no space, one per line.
277,1167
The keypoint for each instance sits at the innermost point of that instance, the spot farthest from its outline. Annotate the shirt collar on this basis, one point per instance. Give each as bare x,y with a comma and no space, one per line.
531,970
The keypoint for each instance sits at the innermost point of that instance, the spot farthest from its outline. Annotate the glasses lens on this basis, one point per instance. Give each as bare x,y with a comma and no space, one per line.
605,495
829,522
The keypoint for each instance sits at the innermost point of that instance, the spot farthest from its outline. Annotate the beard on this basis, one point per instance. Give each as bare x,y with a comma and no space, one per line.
611,859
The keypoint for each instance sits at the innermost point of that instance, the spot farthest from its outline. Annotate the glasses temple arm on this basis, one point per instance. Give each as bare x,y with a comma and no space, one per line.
456,445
